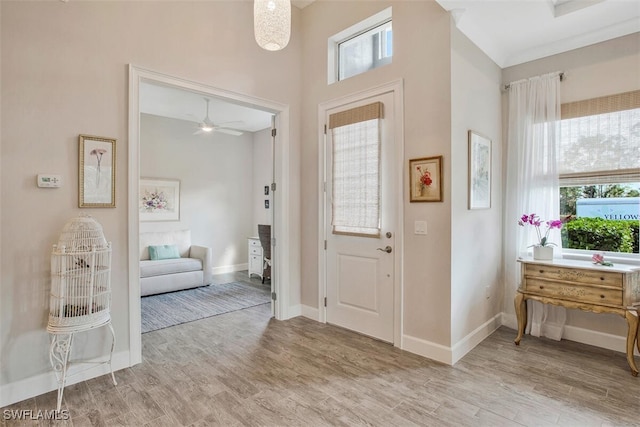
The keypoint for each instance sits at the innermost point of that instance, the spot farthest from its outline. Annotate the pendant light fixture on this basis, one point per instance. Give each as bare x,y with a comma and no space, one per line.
272,23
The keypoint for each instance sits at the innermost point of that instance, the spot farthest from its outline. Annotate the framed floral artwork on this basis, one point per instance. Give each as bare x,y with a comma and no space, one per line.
159,200
479,171
96,172
425,179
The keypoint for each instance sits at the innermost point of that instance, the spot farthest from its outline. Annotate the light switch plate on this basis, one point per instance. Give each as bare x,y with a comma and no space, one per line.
49,181
420,227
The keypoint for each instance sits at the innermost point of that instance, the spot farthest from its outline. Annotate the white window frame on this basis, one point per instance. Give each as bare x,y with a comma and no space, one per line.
373,21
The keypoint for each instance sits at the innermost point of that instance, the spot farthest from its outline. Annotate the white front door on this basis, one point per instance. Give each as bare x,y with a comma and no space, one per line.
360,217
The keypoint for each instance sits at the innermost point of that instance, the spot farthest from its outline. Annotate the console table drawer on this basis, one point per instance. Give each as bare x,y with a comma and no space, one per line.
588,277
575,292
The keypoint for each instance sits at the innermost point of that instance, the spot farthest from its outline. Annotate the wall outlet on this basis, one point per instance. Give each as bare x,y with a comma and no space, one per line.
420,227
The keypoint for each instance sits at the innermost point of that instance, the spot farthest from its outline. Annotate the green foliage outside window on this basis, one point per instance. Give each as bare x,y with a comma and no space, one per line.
598,234
601,235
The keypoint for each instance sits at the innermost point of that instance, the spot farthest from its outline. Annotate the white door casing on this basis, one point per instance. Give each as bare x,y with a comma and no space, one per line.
281,205
360,273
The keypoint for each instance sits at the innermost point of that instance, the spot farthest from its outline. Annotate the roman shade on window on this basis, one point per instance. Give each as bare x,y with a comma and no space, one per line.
600,140
355,207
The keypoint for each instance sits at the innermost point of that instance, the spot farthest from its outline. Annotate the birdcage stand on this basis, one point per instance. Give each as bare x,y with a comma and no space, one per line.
80,298
59,352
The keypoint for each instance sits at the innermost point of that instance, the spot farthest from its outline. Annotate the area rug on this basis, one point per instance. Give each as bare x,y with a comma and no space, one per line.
173,308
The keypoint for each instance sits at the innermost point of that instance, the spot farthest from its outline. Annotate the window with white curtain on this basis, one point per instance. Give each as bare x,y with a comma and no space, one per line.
599,167
355,180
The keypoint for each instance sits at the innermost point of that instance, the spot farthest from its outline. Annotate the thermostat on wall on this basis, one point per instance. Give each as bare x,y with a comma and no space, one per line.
49,181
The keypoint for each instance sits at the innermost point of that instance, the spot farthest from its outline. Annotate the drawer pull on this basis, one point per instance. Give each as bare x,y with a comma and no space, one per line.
541,271
602,296
541,287
602,278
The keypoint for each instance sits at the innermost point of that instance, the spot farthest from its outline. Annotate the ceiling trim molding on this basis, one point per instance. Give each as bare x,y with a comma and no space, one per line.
621,29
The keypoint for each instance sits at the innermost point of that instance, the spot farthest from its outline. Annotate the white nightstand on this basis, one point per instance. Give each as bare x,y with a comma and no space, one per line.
256,262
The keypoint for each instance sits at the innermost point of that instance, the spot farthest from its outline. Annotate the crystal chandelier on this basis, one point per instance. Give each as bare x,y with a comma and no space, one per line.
272,23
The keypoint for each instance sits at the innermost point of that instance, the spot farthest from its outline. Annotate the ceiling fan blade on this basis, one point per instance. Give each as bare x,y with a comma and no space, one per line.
229,131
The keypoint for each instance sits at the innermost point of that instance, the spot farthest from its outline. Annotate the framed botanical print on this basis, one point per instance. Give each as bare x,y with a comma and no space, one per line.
425,179
479,171
96,172
159,199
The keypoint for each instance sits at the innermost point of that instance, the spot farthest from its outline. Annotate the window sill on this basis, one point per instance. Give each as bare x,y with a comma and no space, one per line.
628,259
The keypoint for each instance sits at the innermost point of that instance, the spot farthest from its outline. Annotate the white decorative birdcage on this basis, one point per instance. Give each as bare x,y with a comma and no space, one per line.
80,277
80,292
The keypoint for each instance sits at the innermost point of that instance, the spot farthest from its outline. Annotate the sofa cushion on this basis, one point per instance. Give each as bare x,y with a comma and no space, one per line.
180,238
170,282
163,252
169,266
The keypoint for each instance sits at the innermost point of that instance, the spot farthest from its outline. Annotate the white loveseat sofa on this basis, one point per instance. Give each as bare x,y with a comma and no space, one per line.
191,270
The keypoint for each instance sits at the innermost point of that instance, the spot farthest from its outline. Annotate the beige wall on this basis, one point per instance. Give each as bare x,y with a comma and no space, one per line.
476,243
422,59
216,184
262,175
64,72
601,69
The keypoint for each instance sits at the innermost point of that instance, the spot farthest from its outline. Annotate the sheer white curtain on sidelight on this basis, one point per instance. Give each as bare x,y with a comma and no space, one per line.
532,184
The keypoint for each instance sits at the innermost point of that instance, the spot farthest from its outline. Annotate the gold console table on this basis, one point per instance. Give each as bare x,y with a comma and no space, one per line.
585,286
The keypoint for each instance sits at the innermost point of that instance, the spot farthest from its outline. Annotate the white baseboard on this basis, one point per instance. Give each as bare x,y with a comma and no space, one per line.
43,383
294,311
509,320
230,268
451,355
474,338
310,312
581,335
430,350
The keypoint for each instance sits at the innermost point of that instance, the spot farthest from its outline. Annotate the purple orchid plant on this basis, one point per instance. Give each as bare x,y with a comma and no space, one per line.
534,220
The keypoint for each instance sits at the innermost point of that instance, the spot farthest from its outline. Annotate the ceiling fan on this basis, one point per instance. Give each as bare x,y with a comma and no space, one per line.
207,125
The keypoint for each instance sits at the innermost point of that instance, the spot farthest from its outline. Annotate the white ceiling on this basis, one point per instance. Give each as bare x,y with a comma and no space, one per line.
515,31
509,31
180,104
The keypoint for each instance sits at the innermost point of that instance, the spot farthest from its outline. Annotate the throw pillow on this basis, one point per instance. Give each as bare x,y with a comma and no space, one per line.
163,252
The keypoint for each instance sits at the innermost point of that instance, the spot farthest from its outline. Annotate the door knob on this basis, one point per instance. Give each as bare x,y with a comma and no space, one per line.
389,234
387,249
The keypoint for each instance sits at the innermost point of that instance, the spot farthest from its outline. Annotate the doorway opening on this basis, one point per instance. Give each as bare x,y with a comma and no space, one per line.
148,150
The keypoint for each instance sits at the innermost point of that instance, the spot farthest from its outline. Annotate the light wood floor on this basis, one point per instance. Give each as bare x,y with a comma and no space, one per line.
243,368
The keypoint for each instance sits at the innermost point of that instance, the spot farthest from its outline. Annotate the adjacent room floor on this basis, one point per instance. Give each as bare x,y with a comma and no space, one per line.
244,368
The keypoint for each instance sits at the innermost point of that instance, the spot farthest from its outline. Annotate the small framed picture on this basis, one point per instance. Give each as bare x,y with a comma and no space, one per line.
266,190
425,179
96,172
159,199
266,204
479,171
